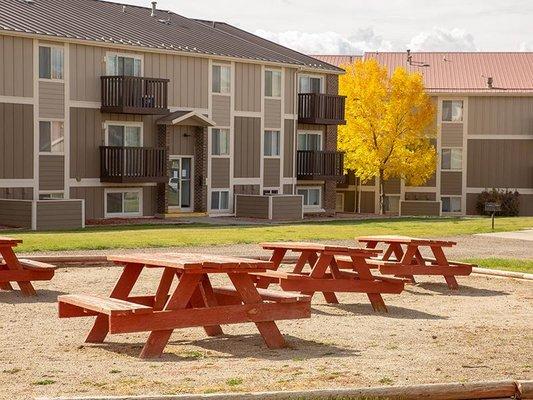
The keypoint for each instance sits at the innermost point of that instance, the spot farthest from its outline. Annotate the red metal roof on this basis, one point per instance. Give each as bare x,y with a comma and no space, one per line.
337,60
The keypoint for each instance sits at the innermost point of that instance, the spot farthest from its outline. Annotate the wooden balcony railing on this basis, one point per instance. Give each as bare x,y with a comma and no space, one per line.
323,109
134,95
133,164
325,165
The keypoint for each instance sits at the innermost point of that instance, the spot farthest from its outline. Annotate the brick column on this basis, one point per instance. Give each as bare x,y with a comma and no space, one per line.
200,170
162,188
332,87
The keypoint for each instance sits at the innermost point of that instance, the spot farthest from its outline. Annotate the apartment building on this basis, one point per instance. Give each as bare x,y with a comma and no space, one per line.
484,125
110,110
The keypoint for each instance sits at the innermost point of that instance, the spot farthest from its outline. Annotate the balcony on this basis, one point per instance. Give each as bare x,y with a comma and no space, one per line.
134,95
322,109
319,165
133,164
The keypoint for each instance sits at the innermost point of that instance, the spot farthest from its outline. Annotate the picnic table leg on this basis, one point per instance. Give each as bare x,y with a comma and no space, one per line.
363,270
249,295
6,286
161,296
441,260
122,290
318,271
204,296
157,340
26,288
306,256
407,258
276,259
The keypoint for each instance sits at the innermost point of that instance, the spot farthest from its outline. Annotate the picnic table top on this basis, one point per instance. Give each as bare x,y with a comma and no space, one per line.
406,240
319,247
194,262
9,240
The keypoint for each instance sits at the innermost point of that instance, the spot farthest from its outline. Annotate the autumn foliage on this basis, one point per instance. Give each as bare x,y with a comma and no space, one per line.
388,133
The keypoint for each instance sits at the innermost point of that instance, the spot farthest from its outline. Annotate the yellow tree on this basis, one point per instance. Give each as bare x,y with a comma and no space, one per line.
387,133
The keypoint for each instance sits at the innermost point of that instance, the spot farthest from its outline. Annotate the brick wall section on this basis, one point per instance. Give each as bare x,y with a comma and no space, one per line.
200,172
332,87
162,140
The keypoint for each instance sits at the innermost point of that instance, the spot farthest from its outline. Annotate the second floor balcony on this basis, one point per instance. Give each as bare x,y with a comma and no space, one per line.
323,109
319,165
133,164
134,95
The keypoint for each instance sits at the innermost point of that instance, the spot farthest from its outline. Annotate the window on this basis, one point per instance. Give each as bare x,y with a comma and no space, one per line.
220,200
309,84
123,202
122,65
50,62
309,141
220,140
124,135
51,196
51,137
221,79
452,110
451,204
272,83
270,192
312,197
271,144
452,159
391,204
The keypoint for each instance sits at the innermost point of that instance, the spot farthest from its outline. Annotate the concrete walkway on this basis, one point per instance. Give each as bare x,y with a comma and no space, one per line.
526,234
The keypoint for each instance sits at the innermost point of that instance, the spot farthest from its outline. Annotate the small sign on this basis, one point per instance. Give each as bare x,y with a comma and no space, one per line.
492,207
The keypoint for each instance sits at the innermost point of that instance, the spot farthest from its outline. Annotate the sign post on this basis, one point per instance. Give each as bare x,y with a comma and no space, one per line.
493,208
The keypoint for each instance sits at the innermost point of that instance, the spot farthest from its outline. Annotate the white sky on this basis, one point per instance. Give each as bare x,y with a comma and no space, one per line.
353,26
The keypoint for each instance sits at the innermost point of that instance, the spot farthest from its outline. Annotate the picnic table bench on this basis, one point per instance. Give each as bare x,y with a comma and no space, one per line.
21,271
325,276
403,257
193,303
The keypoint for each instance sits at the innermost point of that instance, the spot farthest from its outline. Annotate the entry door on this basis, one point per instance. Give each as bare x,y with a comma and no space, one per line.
180,185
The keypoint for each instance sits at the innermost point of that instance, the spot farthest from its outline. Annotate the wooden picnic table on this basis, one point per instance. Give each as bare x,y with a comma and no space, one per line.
194,302
21,271
325,275
402,257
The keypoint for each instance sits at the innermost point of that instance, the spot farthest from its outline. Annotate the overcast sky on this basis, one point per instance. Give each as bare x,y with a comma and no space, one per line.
354,26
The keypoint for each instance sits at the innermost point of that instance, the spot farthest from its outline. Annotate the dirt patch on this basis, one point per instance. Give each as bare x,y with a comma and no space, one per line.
481,332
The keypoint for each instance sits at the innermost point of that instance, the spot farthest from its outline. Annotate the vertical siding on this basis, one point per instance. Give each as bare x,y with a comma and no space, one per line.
221,110
86,137
288,148
451,135
288,189
247,147
246,189
272,114
290,95
149,201
271,172
51,100
181,140
16,141
86,66
415,208
451,183
247,87
368,204
392,186
15,213
350,202
94,200
51,172
220,173
500,115
16,66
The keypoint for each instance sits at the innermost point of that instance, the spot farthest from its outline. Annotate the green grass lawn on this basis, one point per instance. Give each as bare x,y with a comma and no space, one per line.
139,236
511,264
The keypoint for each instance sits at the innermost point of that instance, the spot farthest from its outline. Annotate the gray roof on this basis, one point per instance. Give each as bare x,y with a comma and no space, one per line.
106,22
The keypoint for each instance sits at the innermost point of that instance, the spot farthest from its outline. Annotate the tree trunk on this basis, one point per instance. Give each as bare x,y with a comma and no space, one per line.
381,193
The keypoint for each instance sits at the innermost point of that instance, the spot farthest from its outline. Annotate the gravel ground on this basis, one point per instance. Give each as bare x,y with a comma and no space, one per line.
481,332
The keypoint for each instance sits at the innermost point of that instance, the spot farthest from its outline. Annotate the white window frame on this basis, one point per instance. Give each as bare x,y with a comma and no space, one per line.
460,212
129,55
270,191
123,123
220,128
52,193
211,200
442,111
311,207
123,214
279,143
51,120
280,84
311,132
221,65
321,77
50,46
442,159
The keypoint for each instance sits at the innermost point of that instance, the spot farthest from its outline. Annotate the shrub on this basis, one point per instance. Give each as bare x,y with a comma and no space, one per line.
508,199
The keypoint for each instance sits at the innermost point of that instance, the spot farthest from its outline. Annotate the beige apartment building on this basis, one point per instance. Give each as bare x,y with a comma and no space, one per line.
484,125
117,111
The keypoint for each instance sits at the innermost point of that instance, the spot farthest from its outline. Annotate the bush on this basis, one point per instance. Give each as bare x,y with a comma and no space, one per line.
508,199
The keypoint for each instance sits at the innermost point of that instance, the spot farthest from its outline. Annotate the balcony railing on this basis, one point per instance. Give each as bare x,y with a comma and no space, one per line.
323,109
133,164
134,95
325,165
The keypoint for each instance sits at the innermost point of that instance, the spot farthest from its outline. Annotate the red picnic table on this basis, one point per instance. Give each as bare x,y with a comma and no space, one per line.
194,302
21,271
325,276
402,257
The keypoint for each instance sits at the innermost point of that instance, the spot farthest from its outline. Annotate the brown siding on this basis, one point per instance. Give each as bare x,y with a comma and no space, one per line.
246,189
286,207
15,213
220,173
526,204
94,200
16,193
247,87
368,204
16,141
287,189
370,182
500,115
149,201
392,186
471,199
51,100
451,183
221,110
416,208
290,75
181,140
428,196
271,172
251,206
350,202
272,114
247,147
431,182
59,215
16,66
51,172
288,148
311,127
500,163
451,135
